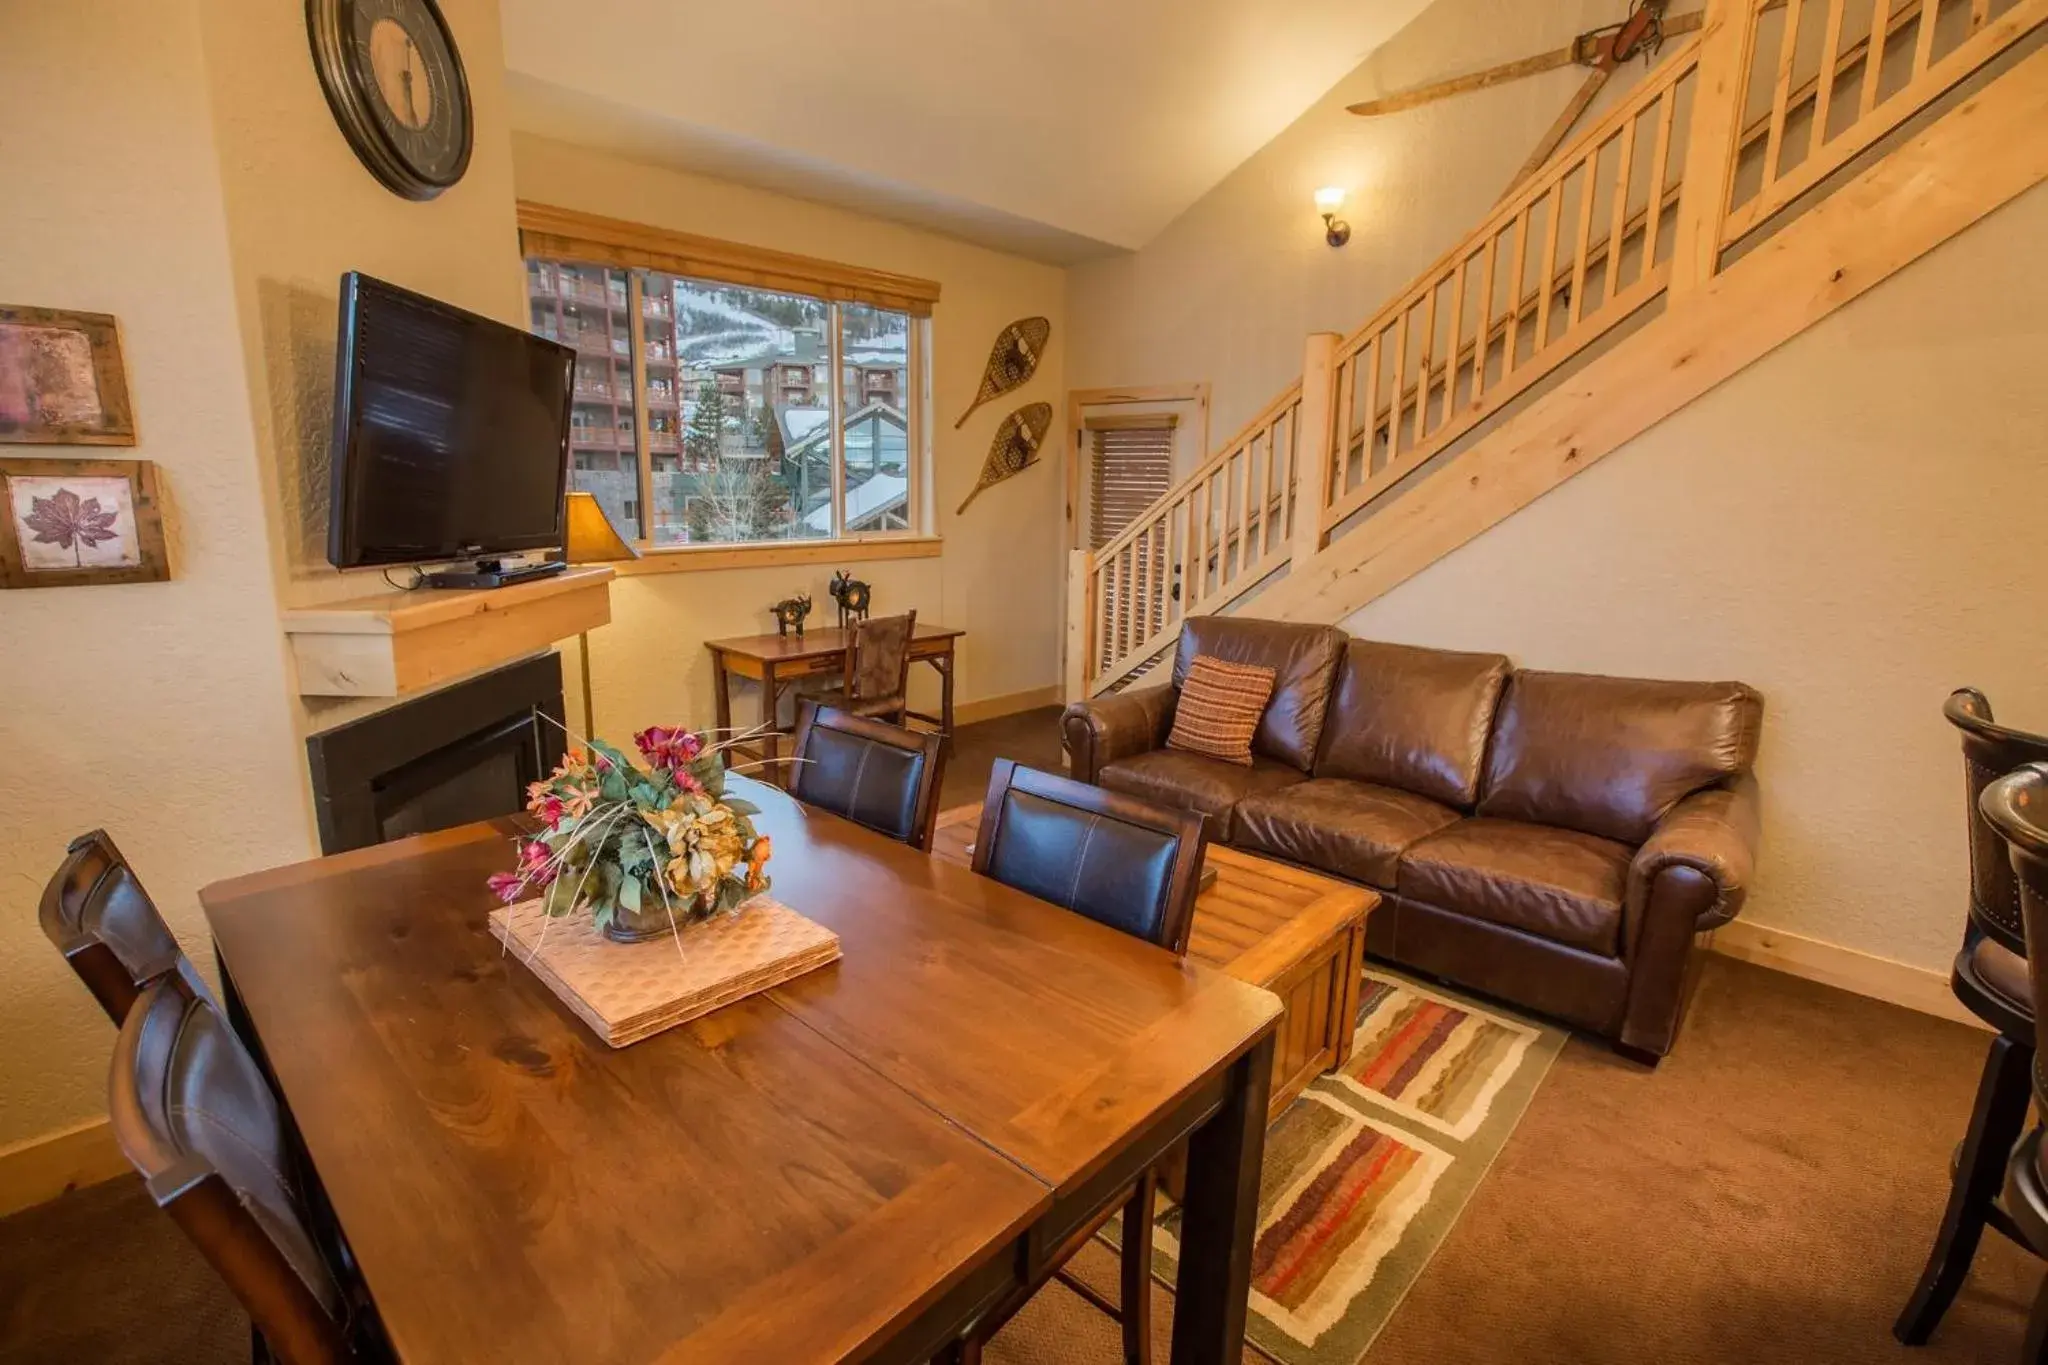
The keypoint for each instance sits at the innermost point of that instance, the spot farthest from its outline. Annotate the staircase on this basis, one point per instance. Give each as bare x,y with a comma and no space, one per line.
1770,168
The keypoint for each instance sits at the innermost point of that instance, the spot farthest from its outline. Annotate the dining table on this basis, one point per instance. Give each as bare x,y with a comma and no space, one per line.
860,1164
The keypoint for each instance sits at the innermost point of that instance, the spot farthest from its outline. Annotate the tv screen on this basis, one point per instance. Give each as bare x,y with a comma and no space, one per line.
451,432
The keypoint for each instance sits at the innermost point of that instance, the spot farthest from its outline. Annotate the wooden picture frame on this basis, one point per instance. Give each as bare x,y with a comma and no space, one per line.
61,379
103,515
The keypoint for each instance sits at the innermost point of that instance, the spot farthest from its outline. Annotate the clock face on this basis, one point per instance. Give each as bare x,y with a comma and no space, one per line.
396,86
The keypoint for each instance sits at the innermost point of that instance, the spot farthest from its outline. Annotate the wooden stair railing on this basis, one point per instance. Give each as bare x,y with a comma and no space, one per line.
1735,127
1398,404
1927,48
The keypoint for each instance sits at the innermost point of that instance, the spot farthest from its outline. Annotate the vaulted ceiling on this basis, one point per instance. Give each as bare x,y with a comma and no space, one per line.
1059,128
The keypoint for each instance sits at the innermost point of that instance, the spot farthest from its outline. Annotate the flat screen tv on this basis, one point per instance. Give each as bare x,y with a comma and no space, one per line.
451,432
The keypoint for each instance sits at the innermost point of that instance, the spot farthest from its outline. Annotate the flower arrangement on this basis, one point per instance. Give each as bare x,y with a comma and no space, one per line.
644,849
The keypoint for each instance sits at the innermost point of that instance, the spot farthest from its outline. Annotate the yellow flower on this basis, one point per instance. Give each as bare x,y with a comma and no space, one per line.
706,842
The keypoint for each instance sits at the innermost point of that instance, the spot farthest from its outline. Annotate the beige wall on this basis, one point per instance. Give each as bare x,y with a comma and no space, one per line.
1232,288
301,210
1000,575
1853,525
156,710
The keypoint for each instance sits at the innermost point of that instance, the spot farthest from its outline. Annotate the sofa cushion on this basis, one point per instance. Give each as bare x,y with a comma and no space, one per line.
1304,664
1353,829
1610,756
1219,709
1556,883
1412,718
1184,781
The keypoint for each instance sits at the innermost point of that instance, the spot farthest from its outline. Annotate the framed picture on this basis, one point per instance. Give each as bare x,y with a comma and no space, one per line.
69,522
61,379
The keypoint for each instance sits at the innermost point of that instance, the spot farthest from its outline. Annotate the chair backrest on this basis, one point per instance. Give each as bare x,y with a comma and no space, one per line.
2016,808
97,914
193,1113
878,657
1990,751
873,773
1119,861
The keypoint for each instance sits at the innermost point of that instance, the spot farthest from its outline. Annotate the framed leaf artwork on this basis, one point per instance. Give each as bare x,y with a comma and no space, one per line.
61,379
64,523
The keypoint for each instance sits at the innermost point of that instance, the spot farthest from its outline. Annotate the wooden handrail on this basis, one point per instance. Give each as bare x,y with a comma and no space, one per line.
1521,312
1666,74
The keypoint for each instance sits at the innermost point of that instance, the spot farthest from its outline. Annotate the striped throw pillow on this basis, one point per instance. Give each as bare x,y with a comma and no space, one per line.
1219,709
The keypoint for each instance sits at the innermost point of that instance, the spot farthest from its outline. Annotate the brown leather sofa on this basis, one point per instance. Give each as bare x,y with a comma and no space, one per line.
1552,839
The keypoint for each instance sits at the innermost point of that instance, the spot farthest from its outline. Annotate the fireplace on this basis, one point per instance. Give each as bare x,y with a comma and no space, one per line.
460,754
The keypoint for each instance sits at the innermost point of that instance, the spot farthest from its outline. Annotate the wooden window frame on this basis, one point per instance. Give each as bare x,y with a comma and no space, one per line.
552,233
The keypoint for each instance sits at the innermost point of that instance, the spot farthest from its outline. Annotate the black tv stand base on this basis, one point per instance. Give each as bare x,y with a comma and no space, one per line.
492,573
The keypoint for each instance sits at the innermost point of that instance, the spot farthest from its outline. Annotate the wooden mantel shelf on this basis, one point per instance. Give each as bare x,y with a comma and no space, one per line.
399,642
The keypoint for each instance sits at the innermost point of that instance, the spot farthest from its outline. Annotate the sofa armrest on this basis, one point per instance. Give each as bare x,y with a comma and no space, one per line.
1713,835
1108,728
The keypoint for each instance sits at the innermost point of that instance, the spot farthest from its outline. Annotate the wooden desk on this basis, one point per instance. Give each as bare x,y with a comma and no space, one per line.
777,660
856,1166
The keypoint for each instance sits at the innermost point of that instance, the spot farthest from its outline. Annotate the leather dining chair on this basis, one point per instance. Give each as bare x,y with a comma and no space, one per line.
95,912
2016,805
875,774
1990,979
1133,867
194,1115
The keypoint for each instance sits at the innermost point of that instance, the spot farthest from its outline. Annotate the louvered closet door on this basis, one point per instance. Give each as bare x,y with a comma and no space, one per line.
1132,469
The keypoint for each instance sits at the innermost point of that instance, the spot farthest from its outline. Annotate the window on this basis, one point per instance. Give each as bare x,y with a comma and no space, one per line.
723,402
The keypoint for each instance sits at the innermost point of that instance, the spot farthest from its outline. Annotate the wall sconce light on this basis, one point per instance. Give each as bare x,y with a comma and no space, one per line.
1328,201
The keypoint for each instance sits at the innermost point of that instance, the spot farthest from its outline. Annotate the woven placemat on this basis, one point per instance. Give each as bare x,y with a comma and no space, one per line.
629,991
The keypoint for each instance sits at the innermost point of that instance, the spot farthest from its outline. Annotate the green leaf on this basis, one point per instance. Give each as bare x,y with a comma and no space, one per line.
741,806
629,895
634,854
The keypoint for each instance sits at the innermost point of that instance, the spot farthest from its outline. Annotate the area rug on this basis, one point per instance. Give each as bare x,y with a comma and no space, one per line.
1366,1172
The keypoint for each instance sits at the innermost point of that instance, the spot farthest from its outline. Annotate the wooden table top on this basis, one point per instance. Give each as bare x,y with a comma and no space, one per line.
773,648
789,1178
1258,918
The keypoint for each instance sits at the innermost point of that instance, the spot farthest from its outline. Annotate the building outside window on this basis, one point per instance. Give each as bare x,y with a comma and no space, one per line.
708,413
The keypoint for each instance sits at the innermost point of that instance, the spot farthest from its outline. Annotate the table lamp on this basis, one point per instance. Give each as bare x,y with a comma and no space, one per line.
592,539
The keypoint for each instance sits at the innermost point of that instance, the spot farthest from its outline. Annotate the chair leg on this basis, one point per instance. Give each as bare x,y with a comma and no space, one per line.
1137,1273
1995,1123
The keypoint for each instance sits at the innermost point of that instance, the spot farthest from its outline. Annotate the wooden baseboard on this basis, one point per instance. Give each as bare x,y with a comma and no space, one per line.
988,708
1880,978
40,1169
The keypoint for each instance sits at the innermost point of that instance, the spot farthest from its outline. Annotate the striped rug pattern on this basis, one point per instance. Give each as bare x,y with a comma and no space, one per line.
1367,1171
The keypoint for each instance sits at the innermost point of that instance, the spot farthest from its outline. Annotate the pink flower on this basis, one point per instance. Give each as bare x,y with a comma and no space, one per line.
550,810
536,863
669,749
507,886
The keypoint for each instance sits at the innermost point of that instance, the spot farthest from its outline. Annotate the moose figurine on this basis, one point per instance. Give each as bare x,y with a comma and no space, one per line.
791,611
852,596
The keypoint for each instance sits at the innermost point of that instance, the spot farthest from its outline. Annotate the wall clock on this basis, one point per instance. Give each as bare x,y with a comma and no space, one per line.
395,83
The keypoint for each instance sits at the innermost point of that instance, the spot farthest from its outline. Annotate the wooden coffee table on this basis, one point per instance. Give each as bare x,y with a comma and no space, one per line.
1296,933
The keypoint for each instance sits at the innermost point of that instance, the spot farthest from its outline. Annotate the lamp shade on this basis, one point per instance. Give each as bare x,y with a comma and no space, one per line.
592,538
